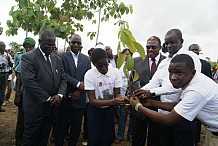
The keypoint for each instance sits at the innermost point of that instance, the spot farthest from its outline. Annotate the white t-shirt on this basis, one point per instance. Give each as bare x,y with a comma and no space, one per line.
160,83
103,84
200,98
4,62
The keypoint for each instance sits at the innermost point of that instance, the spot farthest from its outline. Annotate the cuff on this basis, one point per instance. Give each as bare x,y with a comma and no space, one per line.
61,96
78,84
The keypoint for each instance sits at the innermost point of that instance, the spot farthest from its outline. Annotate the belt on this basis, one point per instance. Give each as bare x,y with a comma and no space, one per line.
215,133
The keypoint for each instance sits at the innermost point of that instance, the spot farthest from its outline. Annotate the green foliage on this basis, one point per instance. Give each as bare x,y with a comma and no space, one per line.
1,29
37,15
16,47
128,41
212,63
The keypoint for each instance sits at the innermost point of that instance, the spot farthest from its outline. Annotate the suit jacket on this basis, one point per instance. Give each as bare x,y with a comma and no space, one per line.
142,67
40,83
74,75
206,68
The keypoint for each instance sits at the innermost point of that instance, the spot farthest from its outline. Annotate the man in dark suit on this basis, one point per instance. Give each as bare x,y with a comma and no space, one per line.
205,66
206,70
44,82
143,68
76,65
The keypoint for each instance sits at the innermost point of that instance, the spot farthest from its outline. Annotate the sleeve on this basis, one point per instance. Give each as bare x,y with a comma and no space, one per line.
89,81
154,82
191,104
63,81
28,77
166,89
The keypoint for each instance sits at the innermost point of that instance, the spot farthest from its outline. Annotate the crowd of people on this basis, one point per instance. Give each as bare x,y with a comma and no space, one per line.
55,93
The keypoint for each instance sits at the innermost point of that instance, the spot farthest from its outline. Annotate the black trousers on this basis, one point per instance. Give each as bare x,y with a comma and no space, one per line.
20,124
181,134
66,116
37,130
140,129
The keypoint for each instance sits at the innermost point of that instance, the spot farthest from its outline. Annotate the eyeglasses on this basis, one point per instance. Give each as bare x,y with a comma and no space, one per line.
153,47
75,42
50,46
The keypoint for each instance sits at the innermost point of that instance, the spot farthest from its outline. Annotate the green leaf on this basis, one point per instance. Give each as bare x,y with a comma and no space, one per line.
120,60
136,76
130,63
140,49
125,71
11,11
62,28
37,6
129,33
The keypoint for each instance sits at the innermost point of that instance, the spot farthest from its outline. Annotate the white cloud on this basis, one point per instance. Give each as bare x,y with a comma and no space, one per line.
197,19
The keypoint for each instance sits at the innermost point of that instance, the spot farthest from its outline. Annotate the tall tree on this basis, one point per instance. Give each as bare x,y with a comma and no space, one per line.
37,15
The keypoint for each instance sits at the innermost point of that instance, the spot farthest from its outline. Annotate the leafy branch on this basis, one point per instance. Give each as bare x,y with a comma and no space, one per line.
126,39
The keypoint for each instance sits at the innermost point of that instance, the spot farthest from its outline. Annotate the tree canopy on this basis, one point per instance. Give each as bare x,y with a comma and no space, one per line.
37,15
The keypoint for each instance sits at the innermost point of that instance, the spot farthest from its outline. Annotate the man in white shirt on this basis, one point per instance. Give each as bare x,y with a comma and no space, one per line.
196,100
160,85
6,62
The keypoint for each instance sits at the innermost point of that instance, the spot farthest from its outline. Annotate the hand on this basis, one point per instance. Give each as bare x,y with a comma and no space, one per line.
140,93
119,100
81,86
55,100
145,102
75,95
134,101
17,99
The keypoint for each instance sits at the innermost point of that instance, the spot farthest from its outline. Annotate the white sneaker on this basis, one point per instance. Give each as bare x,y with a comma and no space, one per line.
4,104
84,143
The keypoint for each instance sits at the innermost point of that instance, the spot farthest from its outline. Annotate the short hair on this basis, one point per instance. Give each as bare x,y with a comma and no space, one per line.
98,54
90,51
184,58
155,38
177,32
46,33
194,45
126,49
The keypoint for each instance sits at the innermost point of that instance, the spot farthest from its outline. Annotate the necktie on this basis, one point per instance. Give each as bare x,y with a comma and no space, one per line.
48,62
153,67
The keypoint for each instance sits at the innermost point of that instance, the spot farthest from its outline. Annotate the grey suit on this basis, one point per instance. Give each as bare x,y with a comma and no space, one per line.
140,122
39,84
72,110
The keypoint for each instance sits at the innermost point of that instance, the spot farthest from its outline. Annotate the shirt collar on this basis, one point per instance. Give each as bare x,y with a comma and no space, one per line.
74,55
156,58
42,52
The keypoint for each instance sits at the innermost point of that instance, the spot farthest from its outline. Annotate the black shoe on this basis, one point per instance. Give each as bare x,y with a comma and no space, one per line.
2,110
129,138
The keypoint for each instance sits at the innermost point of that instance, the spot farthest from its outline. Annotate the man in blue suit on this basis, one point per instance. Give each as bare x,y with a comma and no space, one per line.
76,65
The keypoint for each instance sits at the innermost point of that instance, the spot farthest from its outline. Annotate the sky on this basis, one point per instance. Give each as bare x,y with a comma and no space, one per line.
197,19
